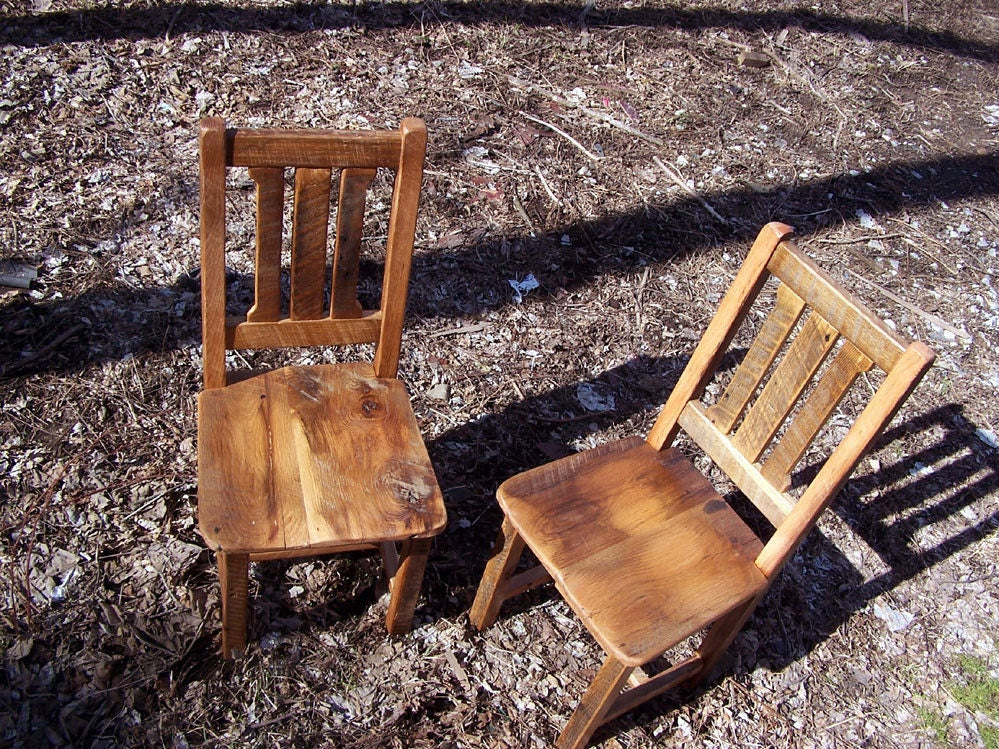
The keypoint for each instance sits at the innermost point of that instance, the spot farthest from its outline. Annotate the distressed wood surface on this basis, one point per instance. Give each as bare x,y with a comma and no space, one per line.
241,334
267,265
773,503
399,245
313,148
801,361
899,382
326,455
309,237
836,306
848,364
211,144
722,328
639,543
595,704
354,185
641,546
761,355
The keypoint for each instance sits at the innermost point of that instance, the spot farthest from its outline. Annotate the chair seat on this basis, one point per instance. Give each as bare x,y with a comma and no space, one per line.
312,457
638,542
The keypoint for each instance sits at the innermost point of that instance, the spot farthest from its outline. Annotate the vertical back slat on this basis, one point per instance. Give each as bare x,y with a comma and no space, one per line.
788,381
267,266
760,356
399,246
211,142
844,369
354,185
310,234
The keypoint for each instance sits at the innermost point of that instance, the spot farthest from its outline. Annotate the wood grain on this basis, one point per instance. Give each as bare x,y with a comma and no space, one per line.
313,440
399,246
270,225
309,237
898,384
240,334
311,459
839,308
722,328
354,185
801,361
761,355
848,364
313,148
638,542
773,503
211,146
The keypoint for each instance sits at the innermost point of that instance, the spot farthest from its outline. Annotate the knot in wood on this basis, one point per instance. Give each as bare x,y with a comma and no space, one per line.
370,407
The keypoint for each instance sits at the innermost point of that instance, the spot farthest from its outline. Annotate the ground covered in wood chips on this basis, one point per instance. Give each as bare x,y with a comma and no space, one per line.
617,155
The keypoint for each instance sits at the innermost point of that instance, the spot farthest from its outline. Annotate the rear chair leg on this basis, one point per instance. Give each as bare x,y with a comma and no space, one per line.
405,585
718,638
506,554
234,577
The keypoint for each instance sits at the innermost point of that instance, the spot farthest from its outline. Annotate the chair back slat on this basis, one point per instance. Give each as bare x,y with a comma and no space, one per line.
848,364
792,375
309,236
762,352
303,319
354,185
270,217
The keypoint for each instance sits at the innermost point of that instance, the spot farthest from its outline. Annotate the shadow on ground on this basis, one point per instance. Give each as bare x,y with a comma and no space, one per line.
64,335
163,20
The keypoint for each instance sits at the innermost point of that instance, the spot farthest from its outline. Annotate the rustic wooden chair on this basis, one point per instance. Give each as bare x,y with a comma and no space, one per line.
641,545
306,460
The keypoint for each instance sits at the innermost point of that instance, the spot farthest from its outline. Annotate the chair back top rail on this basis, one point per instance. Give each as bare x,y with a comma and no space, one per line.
317,149
313,155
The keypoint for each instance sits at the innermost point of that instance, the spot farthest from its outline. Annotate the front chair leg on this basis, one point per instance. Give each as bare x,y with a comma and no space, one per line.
234,577
596,703
503,561
405,585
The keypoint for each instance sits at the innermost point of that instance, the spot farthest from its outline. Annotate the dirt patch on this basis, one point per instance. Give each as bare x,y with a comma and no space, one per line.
622,158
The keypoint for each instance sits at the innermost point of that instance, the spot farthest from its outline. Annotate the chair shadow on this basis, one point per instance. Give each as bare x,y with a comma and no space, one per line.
159,20
472,278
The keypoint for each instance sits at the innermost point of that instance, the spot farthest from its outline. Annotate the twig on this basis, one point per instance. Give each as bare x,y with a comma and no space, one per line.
940,323
595,113
857,240
476,328
43,351
547,187
690,190
564,134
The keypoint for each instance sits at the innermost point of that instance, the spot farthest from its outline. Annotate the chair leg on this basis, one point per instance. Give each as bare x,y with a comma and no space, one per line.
503,561
406,585
718,638
234,577
596,702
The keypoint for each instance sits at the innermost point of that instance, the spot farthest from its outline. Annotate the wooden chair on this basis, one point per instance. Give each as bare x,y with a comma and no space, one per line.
306,460
641,545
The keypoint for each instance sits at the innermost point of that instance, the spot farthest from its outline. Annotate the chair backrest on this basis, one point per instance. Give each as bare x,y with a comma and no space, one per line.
313,155
807,354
